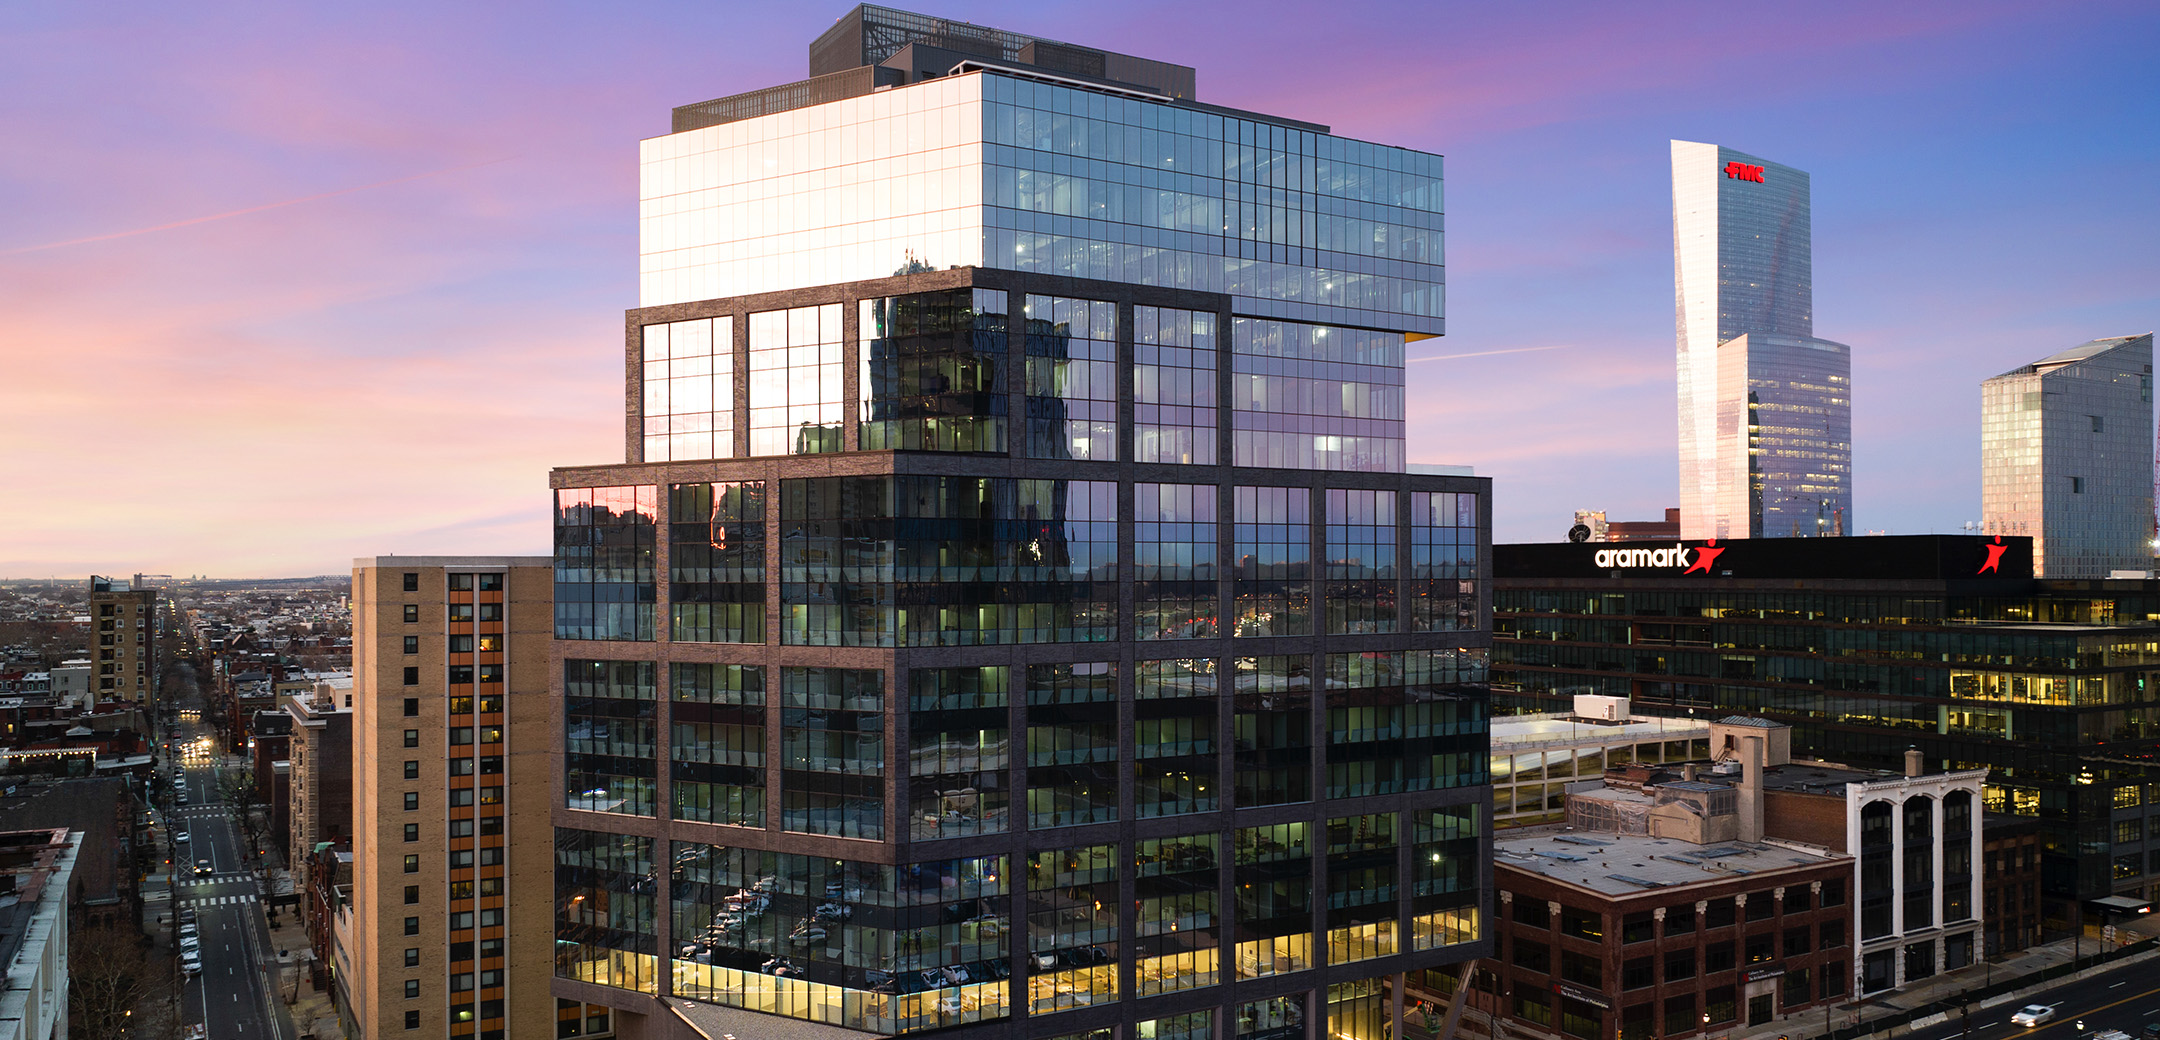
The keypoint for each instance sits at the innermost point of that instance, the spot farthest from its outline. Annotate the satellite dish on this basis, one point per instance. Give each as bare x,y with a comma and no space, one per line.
1579,533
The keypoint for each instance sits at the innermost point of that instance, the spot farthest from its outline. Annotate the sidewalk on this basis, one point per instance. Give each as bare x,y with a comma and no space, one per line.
2028,963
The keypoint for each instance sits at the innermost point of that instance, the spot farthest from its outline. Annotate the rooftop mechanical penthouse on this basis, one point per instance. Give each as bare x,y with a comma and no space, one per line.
1016,615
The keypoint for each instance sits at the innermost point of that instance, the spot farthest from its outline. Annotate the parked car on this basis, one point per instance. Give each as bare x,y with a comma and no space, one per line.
2032,1015
191,963
180,837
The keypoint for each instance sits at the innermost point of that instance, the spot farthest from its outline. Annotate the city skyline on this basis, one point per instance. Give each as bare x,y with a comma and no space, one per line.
260,257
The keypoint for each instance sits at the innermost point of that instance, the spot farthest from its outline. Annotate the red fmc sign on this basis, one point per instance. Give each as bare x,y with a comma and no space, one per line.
1740,171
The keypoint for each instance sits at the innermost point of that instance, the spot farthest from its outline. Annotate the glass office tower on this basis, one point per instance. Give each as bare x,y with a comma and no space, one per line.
2066,457
1017,615
1765,407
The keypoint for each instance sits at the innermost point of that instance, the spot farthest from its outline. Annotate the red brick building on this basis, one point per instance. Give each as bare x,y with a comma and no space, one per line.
1635,937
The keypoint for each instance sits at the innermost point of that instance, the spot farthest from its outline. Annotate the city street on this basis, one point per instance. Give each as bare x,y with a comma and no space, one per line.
236,992
2125,999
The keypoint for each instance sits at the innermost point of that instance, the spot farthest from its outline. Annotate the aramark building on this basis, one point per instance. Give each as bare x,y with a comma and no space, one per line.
1870,647
1015,615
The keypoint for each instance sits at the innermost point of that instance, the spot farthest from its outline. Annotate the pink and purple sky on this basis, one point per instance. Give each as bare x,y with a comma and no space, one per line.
283,285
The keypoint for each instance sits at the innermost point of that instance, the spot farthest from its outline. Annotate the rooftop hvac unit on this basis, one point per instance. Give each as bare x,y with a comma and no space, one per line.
1603,709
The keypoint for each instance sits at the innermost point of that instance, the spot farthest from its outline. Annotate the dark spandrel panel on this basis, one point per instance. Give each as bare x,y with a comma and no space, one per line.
933,372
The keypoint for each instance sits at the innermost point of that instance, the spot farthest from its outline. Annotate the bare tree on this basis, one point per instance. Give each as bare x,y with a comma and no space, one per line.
113,985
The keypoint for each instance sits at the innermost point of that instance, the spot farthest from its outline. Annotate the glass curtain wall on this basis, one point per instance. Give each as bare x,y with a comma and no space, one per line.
717,743
1173,386
689,386
1072,385
795,381
716,562
933,371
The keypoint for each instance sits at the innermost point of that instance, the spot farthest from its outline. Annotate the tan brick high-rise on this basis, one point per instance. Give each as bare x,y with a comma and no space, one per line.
123,643
451,793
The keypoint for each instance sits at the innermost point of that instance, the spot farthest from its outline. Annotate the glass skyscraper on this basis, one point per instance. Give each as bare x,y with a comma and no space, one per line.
1017,614
1765,407
2066,456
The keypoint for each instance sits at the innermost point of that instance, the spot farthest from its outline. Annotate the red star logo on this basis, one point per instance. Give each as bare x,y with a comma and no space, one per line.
1994,560
1704,556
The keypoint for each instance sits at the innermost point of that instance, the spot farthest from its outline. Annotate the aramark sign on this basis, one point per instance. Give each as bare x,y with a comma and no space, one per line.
1679,556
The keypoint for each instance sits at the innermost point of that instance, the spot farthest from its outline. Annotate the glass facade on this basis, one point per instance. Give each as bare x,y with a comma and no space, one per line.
997,344
610,736
689,387
1175,588
795,381
716,562
1273,554
1174,369
947,561
1765,408
1315,397
2064,451
989,170
933,371
2029,679
605,566
1072,388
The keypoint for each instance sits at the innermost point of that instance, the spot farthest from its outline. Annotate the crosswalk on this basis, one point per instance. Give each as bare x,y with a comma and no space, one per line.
216,901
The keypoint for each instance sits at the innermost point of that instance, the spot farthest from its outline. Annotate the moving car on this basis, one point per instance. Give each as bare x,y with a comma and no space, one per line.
202,866
2032,1015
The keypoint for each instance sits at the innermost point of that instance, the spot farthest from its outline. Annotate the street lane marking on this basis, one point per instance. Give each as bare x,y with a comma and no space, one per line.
2118,985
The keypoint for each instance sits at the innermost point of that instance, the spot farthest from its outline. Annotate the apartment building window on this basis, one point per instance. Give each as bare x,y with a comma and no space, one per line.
412,892
412,1019
412,956
461,921
412,644
412,676
461,859
461,644
462,982
412,613
412,988
412,800
491,857
412,832
461,828
491,918
412,738
412,770
461,796
491,582
412,707
412,581
412,864
460,735
491,825
412,926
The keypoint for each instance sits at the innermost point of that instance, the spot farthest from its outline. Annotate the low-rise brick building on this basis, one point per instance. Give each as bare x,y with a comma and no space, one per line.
1634,936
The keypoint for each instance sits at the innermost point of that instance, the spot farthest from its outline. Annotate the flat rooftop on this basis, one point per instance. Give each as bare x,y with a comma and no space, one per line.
1541,730
1626,864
